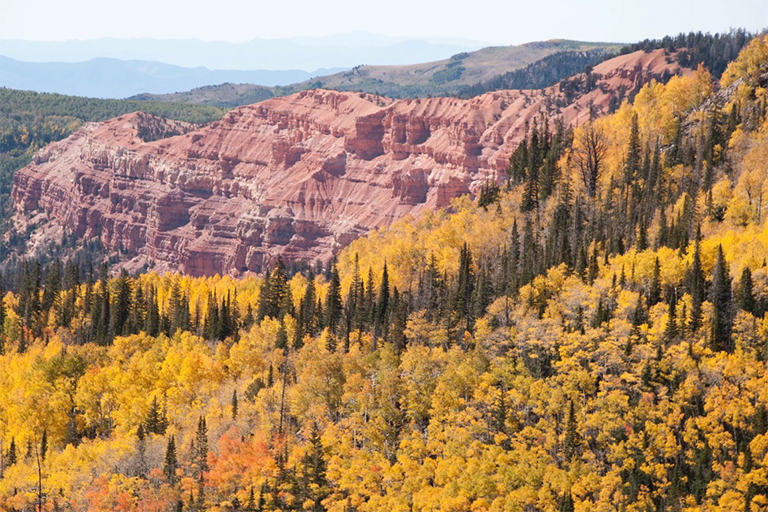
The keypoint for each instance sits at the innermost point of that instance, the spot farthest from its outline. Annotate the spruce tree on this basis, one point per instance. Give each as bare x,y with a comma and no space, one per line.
170,464
572,440
746,293
634,150
654,292
695,286
333,305
382,304
152,422
200,456
722,302
44,444
12,456
671,331
464,289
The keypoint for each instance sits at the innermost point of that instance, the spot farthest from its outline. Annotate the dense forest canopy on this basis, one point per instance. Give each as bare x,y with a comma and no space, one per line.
590,334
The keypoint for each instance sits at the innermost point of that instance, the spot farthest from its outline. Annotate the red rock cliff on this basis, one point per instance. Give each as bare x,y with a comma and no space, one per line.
300,175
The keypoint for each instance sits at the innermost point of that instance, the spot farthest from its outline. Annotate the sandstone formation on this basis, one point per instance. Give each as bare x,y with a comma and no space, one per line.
300,175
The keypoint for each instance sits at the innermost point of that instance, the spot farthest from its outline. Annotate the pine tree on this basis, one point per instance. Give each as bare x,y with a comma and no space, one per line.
265,297
382,303
44,444
695,280
12,457
746,294
333,306
500,412
671,332
722,302
654,292
572,441
634,149
530,200
567,504
200,455
152,422
171,463
316,468
122,304
52,287
234,404
593,265
464,288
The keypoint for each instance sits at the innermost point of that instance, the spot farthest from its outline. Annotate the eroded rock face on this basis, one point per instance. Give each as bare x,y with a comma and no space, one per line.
300,175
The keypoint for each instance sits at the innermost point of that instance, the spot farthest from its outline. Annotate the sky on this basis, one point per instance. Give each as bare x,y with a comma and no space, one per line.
494,21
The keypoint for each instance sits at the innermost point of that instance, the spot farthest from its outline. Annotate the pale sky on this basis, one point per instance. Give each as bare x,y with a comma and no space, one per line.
496,21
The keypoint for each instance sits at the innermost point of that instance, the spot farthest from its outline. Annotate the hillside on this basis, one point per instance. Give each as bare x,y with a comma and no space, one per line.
225,95
447,76
298,176
530,66
437,78
589,335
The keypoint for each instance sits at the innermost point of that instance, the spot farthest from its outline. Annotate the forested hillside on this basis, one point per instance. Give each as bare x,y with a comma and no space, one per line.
590,334
714,51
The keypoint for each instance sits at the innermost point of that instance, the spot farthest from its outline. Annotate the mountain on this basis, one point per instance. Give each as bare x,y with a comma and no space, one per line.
449,75
458,74
112,78
298,176
226,95
305,54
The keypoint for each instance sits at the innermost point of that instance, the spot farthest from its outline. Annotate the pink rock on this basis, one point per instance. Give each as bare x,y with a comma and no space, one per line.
300,175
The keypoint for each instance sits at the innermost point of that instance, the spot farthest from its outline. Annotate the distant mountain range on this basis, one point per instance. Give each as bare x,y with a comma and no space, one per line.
109,77
442,77
447,76
113,78
306,53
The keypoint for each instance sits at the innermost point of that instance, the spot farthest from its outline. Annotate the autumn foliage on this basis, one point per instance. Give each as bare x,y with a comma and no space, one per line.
571,341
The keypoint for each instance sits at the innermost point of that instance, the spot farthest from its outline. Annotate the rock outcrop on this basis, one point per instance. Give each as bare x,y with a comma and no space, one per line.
300,175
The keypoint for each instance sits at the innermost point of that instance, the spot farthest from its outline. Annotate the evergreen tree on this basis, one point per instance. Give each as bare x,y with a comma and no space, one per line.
234,404
153,421
200,455
170,464
44,444
695,285
382,304
634,149
654,292
593,265
12,456
721,297
671,331
52,286
746,294
464,288
315,465
122,304
572,441
333,306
